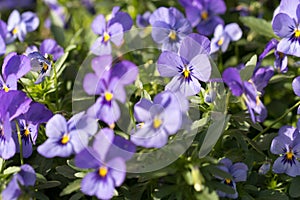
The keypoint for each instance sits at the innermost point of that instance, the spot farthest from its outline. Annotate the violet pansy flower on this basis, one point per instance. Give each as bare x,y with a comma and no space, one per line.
287,145
142,21
203,14
187,67
19,25
286,25
41,65
25,177
169,27
224,35
108,164
111,31
66,138
238,171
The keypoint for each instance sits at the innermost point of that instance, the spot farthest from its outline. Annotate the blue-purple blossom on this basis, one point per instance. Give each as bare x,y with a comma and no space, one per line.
281,59
66,138
110,31
238,171
107,157
12,4
142,21
25,177
187,67
109,83
28,126
264,168
57,10
19,25
3,33
287,145
158,119
286,26
203,14
224,35
169,27
250,90
48,47
41,65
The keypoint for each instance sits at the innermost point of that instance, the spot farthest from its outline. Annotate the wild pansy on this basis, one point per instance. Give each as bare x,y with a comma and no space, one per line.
66,138
24,178
12,104
203,14
142,21
250,90
296,89
108,82
110,31
28,125
19,25
41,65
238,171
13,68
281,59
287,145
108,164
3,33
286,25
169,27
224,35
47,47
159,119
187,67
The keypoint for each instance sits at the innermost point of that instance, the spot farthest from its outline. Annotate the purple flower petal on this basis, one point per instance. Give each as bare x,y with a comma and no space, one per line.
7,148
234,31
239,172
56,127
31,20
99,48
79,140
125,71
282,25
141,110
116,33
201,67
87,158
117,168
16,64
123,18
13,20
160,31
103,139
280,144
50,46
52,147
121,148
233,79
99,25
296,85
167,64
91,84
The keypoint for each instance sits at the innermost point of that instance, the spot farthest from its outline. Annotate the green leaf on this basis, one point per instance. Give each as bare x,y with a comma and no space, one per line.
48,184
72,187
294,187
40,178
271,194
77,196
280,77
206,194
247,72
66,171
218,172
12,170
259,26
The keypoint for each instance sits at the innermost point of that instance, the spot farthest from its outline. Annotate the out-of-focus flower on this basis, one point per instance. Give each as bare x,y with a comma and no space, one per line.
223,36
13,4
25,177
109,83
281,59
106,156
251,90
286,26
160,118
57,10
169,28
110,31
142,21
28,125
287,145
264,168
65,138
203,14
19,25
238,171
3,33
48,47
89,5
188,66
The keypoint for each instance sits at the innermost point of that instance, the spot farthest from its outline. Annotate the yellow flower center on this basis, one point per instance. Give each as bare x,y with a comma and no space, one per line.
157,122
65,139
26,132
15,31
297,33
45,67
186,72
108,96
6,89
257,100
289,155
204,15
102,171
220,41
106,37
172,35
228,181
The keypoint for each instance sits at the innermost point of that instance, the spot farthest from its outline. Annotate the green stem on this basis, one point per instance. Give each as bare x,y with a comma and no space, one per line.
56,87
20,143
277,120
227,102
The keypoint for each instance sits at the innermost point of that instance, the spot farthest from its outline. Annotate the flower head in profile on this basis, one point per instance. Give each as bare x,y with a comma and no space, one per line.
203,14
224,35
287,145
19,25
107,157
169,27
238,171
41,65
108,82
110,31
25,177
159,119
187,67
66,138
286,26
142,21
